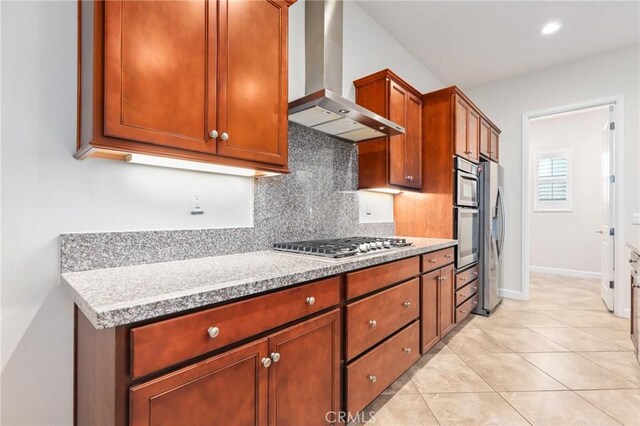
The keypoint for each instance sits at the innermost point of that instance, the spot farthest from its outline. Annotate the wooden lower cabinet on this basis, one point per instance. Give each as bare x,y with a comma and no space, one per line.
227,389
437,310
290,377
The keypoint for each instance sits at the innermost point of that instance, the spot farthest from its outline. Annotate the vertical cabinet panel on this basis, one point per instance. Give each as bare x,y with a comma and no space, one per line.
157,75
252,80
429,292
485,138
473,135
447,318
413,144
304,384
229,387
397,114
460,135
494,145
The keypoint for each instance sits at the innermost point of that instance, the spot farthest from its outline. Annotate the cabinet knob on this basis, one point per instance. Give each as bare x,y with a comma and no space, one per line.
214,134
448,256
463,278
373,378
432,261
407,350
475,302
213,332
442,278
475,287
406,304
373,323
475,274
311,300
224,136
463,295
466,152
275,356
463,311
266,362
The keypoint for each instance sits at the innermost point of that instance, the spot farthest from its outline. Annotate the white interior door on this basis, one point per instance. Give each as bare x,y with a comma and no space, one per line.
607,246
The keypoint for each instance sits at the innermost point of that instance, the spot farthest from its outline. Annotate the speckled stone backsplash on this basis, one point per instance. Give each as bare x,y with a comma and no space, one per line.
317,200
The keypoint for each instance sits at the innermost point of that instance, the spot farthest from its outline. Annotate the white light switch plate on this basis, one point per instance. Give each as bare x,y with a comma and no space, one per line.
636,219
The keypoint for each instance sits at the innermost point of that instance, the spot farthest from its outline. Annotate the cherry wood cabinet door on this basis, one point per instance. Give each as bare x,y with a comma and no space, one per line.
473,135
252,80
160,72
446,301
228,389
461,111
304,378
413,142
397,144
485,138
429,292
494,145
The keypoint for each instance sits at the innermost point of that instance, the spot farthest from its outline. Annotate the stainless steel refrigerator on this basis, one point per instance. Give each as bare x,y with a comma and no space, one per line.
492,231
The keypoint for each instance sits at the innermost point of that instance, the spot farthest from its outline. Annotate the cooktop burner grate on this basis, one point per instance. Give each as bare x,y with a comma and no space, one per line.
341,247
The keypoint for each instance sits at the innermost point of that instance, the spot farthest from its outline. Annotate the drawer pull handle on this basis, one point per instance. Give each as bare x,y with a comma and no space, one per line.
463,278
475,302
432,261
463,295
448,256
475,274
266,362
407,350
373,378
463,311
213,332
373,323
442,278
311,300
275,356
406,304
475,287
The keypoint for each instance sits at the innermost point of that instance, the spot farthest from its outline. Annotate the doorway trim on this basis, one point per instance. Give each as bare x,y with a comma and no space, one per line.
619,199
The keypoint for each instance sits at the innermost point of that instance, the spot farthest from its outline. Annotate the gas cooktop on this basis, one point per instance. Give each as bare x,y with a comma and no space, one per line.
342,247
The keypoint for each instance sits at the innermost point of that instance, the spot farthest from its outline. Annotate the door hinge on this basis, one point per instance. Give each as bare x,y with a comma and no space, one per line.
612,125
612,179
611,284
612,231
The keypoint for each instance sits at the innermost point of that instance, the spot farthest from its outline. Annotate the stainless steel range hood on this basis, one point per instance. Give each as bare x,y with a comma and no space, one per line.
323,109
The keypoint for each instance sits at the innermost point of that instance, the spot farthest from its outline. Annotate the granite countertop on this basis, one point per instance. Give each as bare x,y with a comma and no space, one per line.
119,296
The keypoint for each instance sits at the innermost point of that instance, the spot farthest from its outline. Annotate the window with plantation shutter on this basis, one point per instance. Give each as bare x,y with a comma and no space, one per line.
553,181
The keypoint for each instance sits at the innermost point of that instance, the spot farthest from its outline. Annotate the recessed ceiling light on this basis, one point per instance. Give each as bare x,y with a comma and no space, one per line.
550,28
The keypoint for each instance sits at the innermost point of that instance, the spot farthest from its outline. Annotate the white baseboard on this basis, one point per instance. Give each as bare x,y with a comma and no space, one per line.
511,294
564,272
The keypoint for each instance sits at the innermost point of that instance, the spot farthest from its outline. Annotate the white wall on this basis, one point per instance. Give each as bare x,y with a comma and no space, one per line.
567,240
46,192
505,101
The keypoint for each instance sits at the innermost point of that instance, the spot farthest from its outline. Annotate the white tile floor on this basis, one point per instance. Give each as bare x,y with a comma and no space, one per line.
558,359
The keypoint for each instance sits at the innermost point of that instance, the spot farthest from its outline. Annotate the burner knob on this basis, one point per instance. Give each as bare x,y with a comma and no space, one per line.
387,244
379,244
364,247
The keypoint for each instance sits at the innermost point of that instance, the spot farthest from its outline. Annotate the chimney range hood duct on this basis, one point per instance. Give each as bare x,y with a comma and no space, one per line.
323,109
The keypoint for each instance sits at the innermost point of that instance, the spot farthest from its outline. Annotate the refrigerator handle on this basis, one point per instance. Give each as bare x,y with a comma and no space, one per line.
502,221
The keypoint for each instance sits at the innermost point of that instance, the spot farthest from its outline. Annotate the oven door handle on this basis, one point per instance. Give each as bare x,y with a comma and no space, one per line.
501,221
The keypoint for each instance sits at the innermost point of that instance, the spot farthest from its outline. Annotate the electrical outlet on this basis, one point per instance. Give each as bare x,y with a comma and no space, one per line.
636,219
197,204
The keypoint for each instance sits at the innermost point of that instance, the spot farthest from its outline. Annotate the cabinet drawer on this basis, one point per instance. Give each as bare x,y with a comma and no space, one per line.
164,343
370,375
466,292
370,279
437,259
372,319
465,277
465,309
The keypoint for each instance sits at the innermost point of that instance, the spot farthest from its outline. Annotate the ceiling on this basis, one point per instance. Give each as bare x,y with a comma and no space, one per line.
469,43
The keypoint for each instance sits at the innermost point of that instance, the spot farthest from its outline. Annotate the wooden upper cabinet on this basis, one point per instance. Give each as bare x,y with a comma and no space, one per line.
485,138
495,149
394,161
252,80
158,72
233,385
467,130
200,80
